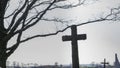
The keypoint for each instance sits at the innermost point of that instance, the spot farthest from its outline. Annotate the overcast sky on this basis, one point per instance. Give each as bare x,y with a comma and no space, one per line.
102,39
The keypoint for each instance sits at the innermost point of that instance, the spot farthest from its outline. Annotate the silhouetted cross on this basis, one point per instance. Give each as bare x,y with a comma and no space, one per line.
104,63
74,37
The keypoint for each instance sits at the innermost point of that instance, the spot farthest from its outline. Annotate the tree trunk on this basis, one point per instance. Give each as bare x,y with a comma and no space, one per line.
3,42
3,62
3,47
3,55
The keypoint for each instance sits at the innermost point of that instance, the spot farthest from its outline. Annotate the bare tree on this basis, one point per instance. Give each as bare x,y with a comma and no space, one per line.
27,14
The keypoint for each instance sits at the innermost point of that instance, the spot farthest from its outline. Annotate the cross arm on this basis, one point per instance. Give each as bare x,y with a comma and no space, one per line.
78,37
82,37
104,62
66,38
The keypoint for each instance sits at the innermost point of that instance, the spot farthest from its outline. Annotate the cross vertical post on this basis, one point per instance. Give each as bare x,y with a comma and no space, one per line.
74,37
75,57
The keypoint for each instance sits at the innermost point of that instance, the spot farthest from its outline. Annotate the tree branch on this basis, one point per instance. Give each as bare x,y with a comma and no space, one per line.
13,27
38,19
15,16
106,18
50,34
15,46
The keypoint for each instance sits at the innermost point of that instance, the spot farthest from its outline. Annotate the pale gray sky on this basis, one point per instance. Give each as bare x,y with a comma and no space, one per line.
102,38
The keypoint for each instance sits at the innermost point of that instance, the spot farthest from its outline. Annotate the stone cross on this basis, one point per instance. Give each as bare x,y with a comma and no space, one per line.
74,37
104,63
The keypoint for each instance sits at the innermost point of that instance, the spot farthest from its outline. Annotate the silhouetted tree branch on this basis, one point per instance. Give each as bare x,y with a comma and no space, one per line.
23,11
30,12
